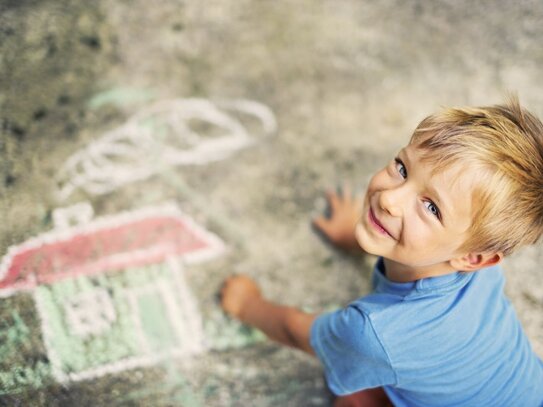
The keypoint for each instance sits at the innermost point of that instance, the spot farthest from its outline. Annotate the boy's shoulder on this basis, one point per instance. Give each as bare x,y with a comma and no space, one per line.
459,298
470,305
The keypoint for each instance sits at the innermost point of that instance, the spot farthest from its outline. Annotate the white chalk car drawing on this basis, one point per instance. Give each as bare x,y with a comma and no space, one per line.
110,293
167,133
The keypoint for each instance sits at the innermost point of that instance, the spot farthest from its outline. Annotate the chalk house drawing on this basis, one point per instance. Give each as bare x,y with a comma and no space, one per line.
111,293
168,133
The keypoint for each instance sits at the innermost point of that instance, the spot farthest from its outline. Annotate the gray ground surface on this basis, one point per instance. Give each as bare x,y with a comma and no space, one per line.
348,81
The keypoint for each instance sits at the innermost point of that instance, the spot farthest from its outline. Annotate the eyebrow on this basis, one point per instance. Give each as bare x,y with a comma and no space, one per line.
443,208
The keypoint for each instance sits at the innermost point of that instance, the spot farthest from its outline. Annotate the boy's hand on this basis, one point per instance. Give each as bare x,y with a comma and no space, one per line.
340,227
236,293
242,299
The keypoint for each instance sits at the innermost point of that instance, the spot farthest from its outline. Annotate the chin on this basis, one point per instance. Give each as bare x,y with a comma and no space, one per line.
371,250
365,242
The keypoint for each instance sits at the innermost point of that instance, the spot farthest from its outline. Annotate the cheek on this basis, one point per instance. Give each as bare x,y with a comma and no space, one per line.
422,235
415,231
423,246
424,239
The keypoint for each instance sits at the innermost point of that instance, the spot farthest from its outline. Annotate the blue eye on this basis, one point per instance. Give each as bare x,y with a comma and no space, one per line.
432,208
400,167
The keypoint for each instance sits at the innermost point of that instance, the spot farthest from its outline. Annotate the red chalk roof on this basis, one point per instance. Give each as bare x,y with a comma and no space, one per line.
106,245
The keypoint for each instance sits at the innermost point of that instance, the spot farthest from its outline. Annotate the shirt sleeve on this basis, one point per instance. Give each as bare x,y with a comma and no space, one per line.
351,352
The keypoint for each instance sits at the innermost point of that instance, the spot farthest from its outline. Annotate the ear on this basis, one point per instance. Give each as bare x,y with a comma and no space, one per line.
476,261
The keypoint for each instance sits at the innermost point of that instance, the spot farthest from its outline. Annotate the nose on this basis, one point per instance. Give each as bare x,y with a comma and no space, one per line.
392,201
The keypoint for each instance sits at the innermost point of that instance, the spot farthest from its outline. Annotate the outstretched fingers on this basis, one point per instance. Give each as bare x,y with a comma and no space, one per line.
347,193
345,211
333,199
323,224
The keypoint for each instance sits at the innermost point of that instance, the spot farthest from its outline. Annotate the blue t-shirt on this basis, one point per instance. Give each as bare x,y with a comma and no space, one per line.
452,340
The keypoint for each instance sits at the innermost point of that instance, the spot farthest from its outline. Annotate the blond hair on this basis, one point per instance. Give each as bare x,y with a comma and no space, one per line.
506,143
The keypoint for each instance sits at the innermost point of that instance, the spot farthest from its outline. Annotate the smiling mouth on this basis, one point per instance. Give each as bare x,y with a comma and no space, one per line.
377,225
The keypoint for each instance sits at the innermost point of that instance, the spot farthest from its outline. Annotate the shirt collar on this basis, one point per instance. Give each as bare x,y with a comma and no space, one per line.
439,284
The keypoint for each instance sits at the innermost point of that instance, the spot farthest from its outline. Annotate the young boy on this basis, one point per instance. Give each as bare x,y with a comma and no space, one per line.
437,329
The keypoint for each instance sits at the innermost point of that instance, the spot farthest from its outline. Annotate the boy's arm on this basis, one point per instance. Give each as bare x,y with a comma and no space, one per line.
339,228
242,299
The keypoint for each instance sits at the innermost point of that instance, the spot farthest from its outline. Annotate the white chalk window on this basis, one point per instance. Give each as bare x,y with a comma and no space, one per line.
90,313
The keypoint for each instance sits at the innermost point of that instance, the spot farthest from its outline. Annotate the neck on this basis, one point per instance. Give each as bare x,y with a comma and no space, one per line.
401,273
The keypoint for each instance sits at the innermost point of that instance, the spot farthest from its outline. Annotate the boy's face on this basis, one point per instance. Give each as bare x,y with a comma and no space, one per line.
414,217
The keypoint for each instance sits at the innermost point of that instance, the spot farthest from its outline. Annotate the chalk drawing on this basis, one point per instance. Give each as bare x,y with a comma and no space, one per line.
111,294
174,389
151,324
90,313
144,236
120,96
224,333
77,214
14,336
12,333
161,136
17,378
